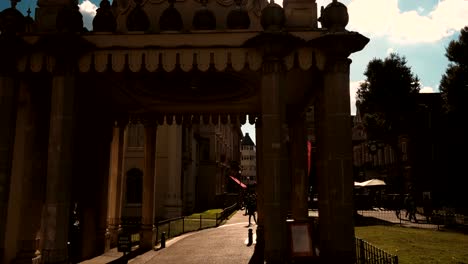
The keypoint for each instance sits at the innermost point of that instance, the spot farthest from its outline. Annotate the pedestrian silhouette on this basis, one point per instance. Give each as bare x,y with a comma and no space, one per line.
251,208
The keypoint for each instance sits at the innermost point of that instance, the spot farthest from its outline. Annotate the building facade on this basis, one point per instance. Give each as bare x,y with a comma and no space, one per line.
248,160
158,63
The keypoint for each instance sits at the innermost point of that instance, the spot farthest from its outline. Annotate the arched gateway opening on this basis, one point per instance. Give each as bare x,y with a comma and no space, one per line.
68,100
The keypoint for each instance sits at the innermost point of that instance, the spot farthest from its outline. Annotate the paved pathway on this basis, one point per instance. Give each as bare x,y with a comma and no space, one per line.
226,244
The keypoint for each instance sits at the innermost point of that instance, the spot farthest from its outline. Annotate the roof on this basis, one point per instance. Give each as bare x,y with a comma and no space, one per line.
247,141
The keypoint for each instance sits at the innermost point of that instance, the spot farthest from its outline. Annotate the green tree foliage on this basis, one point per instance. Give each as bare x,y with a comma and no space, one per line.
387,98
454,83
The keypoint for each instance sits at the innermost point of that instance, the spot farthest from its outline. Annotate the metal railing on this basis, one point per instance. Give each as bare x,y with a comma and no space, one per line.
369,254
176,226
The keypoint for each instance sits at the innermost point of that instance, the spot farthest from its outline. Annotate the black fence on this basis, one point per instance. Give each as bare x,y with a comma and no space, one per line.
176,226
436,219
369,254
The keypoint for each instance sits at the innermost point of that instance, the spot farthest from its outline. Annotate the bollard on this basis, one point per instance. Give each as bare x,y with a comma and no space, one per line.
163,240
250,237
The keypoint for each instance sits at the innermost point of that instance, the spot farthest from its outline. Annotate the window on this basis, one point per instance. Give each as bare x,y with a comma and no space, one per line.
134,186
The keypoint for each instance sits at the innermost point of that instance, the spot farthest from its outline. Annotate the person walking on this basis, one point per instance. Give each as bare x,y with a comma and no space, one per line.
251,208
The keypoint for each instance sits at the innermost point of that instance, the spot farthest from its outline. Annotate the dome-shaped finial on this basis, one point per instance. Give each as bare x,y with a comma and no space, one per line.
11,20
273,17
137,20
30,23
334,17
204,19
104,21
238,18
170,19
69,19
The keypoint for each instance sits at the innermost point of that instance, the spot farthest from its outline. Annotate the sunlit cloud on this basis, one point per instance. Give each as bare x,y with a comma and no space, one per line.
353,87
88,10
383,18
426,89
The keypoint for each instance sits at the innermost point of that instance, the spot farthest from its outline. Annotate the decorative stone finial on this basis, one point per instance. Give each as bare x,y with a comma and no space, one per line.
137,19
334,17
69,19
238,18
273,17
11,20
104,20
30,23
204,19
170,19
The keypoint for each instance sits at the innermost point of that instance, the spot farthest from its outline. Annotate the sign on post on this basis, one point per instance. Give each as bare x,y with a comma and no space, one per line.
124,243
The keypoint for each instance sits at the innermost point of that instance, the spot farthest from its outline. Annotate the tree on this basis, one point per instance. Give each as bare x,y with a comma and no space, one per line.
387,101
454,90
387,98
454,83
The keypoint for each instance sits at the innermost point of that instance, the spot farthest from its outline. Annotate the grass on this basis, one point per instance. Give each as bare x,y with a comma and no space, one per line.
414,245
206,214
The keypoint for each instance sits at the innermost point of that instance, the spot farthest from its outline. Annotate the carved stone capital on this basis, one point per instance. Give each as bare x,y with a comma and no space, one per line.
337,65
272,65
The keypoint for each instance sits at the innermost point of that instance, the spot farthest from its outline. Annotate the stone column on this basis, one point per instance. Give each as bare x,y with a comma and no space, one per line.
172,199
300,179
335,180
114,204
24,200
59,169
7,131
147,212
274,160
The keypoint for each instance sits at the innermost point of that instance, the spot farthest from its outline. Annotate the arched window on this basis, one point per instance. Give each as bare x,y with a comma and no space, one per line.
134,186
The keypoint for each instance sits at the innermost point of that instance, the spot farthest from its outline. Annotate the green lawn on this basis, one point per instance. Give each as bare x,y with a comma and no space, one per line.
206,214
414,245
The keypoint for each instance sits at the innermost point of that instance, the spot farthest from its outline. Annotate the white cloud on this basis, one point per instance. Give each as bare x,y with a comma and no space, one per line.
353,87
384,18
426,89
390,50
88,10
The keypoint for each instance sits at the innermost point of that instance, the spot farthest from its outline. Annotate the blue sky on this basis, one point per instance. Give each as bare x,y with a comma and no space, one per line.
420,30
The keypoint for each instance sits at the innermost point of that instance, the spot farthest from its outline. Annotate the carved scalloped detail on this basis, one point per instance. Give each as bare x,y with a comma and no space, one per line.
203,60
100,61
220,59
36,61
84,64
135,60
254,59
118,60
152,60
186,60
305,58
238,59
22,63
320,60
289,61
169,60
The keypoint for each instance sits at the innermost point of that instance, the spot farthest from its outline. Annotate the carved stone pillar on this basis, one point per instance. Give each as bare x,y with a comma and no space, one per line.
114,206
59,169
147,213
335,179
299,176
274,159
7,131
25,199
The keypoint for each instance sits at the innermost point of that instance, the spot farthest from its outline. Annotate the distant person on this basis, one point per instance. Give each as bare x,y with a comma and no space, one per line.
251,208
